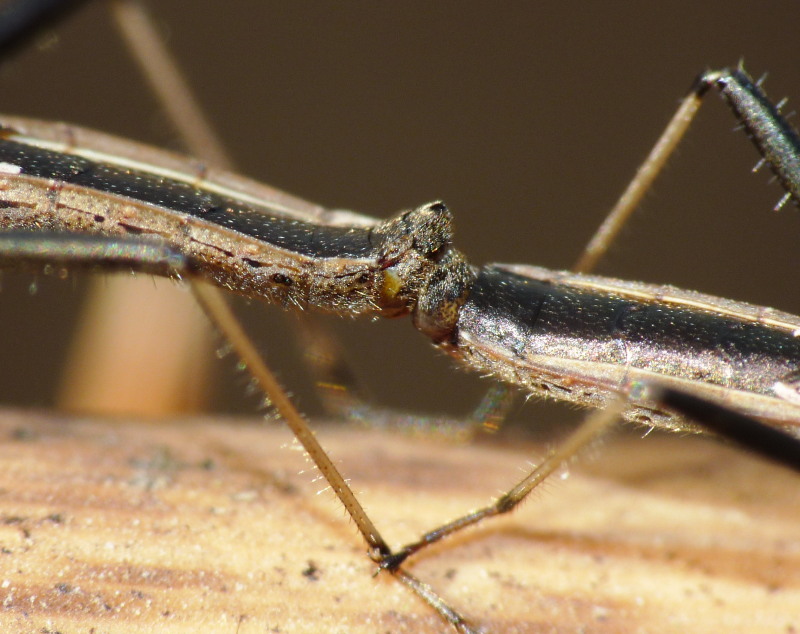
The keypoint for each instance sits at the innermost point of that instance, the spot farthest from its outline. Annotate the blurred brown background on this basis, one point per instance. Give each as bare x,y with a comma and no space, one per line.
526,119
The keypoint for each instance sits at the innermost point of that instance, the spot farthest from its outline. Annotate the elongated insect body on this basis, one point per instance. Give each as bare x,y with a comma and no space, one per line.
579,338
253,248
586,338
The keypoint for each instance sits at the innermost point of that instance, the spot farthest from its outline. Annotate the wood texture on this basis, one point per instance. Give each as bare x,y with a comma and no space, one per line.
205,525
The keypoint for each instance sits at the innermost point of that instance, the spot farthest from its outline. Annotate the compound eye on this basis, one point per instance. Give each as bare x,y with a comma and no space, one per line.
432,230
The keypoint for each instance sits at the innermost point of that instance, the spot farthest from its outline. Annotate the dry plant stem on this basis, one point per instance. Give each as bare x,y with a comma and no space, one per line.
137,336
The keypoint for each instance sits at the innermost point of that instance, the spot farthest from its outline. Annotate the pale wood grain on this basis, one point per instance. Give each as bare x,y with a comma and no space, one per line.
208,526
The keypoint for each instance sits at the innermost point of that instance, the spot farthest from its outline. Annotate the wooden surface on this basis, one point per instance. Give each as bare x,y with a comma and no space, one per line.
210,526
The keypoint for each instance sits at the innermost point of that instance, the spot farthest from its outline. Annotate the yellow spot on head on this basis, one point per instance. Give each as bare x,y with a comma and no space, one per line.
392,284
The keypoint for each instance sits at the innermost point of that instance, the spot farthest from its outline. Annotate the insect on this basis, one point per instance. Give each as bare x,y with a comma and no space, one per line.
534,201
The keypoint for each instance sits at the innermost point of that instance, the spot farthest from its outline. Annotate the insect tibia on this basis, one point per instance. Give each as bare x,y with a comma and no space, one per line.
776,140
48,251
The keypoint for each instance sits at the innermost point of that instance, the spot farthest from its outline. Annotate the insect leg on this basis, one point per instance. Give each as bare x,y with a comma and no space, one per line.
36,250
595,424
771,443
772,135
750,434
212,301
